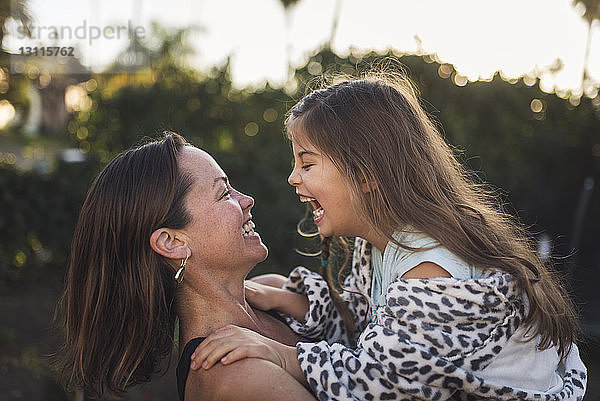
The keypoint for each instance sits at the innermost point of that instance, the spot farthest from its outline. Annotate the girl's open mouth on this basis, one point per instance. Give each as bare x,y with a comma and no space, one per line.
317,208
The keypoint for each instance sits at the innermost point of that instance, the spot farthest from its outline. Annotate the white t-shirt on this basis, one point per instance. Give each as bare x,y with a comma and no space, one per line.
396,261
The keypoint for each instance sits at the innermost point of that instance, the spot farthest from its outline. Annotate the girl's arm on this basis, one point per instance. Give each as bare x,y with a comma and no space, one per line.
266,297
270,279
314,316
322,321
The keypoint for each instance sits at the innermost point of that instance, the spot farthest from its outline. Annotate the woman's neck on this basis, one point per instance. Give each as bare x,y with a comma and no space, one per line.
205,306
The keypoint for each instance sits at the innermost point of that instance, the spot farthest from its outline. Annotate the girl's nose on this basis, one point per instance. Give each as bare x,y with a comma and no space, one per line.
294,178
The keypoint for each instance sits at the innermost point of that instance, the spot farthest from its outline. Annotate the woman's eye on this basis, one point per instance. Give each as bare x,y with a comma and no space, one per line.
307,166
226,195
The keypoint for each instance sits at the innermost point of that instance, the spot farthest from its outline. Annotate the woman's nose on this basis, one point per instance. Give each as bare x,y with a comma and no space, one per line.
246,201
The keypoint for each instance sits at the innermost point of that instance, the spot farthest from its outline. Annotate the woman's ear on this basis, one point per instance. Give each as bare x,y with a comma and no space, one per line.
169,243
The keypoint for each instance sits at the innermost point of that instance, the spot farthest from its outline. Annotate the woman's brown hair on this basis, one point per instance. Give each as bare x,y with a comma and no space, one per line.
118,304
375,131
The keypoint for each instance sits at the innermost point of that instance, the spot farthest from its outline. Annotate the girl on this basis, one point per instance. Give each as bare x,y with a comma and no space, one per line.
461,306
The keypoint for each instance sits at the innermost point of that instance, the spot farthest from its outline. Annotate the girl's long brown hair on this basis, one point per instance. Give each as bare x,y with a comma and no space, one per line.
374,130
118,304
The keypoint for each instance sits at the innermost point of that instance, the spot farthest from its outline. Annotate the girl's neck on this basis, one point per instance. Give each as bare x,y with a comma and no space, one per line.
375,239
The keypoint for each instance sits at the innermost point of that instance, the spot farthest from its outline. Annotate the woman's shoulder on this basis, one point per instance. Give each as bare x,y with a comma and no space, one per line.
248,379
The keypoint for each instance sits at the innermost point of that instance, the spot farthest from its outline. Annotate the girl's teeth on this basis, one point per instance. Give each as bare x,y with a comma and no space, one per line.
306,199
318,213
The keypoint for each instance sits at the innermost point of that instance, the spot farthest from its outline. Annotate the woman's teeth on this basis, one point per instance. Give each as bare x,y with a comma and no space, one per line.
248,229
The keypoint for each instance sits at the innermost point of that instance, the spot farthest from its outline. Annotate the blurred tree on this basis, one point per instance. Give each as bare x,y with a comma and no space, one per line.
591,14
38,217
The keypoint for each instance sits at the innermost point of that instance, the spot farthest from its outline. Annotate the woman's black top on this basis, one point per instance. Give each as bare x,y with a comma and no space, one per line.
183,367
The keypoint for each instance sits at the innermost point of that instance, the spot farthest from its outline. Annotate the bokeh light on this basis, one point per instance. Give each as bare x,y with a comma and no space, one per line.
445,70
270,115
536,106
77,99
251,129
7,113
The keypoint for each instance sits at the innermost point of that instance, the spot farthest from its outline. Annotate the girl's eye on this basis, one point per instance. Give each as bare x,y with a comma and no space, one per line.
307,166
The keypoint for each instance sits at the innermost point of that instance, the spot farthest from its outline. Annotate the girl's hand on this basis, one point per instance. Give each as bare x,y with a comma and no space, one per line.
232,343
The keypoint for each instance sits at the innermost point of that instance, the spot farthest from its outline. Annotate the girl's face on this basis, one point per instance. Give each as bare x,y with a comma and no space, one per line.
319,182
221,232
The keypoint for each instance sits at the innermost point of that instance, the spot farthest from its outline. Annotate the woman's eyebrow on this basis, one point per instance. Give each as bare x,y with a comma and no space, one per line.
220,178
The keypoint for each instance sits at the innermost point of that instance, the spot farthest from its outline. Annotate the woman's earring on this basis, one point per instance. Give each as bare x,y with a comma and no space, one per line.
181,271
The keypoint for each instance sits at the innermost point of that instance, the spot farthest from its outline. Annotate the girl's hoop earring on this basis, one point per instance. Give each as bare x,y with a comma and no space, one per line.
181,271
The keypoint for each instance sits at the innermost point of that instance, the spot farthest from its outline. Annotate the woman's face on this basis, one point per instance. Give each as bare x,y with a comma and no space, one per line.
221,232
319,182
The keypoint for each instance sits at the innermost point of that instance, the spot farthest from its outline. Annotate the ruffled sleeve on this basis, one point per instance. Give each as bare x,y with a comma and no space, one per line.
322,321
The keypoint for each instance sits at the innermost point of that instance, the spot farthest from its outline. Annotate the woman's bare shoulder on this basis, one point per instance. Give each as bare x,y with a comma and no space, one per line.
248,379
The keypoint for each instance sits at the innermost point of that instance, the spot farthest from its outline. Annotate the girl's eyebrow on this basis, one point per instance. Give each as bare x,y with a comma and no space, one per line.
306,152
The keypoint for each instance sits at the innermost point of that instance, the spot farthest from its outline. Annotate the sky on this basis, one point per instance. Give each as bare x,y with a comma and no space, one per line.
478,37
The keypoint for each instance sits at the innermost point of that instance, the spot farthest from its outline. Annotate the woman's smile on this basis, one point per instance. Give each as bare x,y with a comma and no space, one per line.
248,229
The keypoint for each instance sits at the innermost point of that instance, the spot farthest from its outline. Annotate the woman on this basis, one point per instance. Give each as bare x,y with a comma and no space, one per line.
163,235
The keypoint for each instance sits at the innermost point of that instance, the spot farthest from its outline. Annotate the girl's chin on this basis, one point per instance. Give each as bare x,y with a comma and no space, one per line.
325,232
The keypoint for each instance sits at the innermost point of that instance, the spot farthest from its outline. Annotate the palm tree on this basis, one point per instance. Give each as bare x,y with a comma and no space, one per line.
591,14
336,18
288,4
287,7
17,10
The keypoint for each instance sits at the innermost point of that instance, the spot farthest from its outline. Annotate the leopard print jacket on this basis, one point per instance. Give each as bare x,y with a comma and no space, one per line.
431,340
